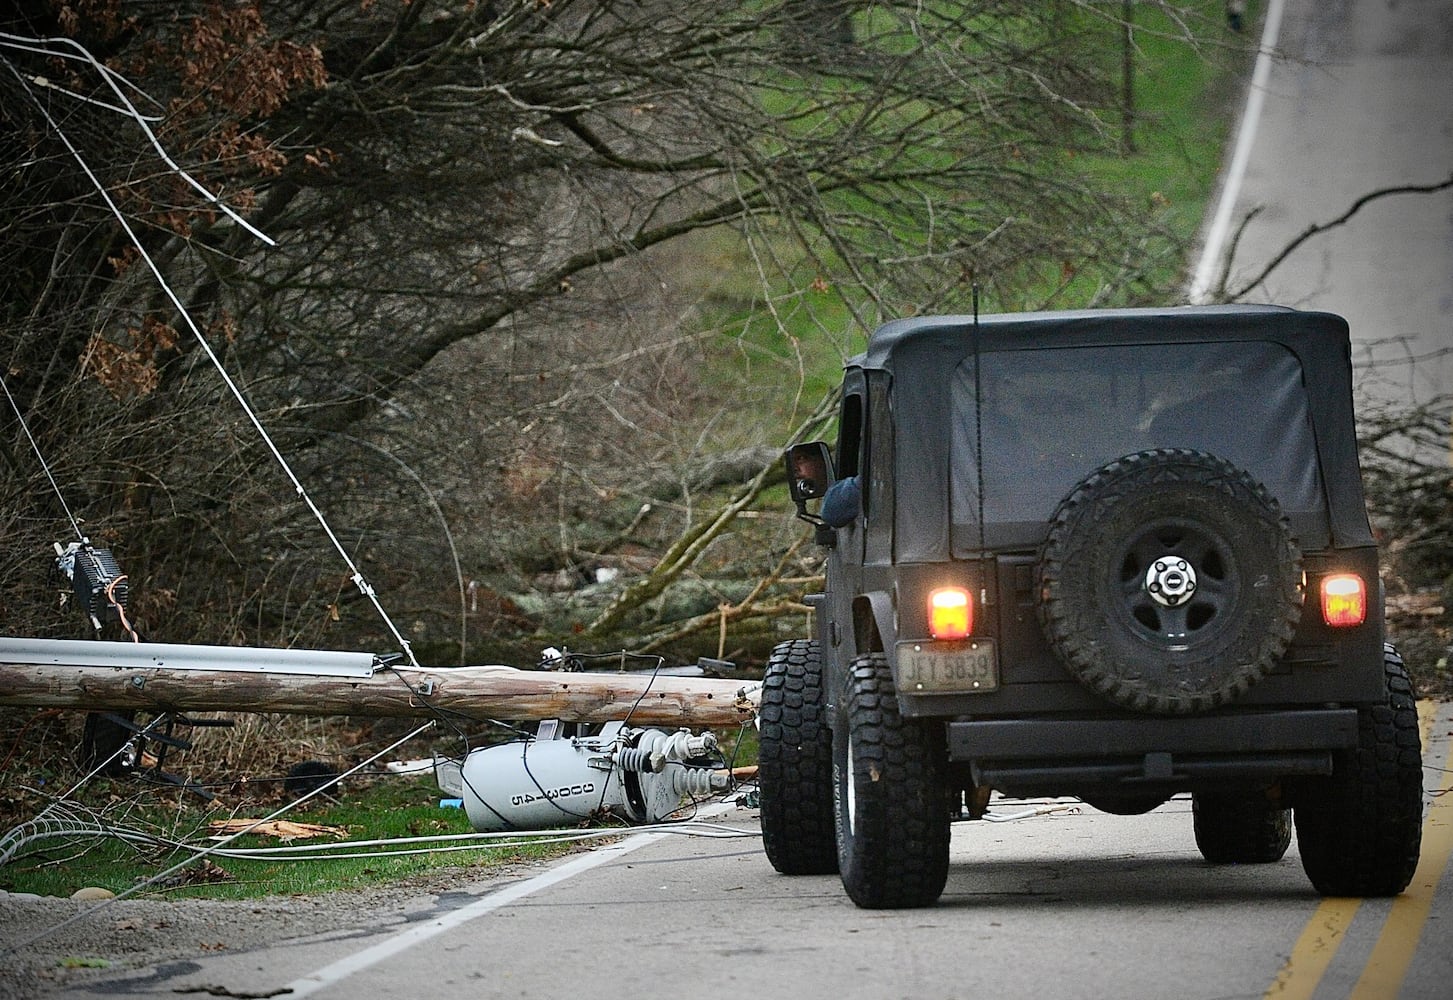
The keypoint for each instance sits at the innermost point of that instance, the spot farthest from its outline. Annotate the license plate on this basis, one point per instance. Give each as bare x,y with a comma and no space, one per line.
965,667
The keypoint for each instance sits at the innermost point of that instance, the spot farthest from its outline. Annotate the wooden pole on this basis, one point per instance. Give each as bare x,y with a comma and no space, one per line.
472,692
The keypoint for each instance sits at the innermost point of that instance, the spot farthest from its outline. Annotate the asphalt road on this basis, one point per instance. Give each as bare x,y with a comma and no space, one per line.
1061,902
1360,101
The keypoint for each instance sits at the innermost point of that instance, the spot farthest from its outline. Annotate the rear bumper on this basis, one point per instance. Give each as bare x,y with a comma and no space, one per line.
1061,754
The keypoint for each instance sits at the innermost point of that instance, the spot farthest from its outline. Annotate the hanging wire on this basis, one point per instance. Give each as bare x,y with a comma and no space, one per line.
111,76
364,587
75,525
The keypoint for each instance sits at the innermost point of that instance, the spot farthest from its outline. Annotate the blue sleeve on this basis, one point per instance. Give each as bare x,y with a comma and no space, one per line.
842,502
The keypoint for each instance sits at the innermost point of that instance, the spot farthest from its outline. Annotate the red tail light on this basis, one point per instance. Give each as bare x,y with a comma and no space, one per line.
950,613
1344,600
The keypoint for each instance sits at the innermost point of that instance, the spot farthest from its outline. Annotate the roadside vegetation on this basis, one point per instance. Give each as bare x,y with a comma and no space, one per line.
144,834
401,809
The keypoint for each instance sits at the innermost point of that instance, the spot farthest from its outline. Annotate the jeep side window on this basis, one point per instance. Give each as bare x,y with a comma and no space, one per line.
878,486
844,502
850,437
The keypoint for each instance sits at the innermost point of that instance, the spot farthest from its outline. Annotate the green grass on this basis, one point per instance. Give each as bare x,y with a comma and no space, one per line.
1180,126
389,808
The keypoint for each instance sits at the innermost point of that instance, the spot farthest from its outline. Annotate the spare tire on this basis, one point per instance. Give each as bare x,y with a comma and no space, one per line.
1169,582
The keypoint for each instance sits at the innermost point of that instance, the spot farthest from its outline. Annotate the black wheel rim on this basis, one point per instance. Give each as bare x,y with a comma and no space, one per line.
1180,546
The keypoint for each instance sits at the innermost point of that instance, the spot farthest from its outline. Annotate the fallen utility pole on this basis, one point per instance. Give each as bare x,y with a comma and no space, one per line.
131,680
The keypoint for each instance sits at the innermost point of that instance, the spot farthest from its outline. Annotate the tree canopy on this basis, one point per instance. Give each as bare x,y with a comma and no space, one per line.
488,248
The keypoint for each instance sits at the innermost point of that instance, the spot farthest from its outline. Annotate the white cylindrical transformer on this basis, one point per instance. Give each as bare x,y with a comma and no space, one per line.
636,775
537,784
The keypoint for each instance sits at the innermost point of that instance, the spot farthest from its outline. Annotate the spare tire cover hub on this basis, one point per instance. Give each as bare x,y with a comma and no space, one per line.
1170,581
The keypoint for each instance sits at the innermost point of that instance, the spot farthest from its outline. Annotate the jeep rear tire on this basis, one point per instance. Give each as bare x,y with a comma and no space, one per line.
1240,828
795,763
1360,830
1169,581
890,795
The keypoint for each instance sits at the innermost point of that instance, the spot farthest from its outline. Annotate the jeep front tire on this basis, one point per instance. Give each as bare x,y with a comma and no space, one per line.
890,794
1243,827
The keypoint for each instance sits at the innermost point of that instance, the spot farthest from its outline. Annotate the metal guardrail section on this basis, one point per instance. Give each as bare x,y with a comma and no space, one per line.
179,656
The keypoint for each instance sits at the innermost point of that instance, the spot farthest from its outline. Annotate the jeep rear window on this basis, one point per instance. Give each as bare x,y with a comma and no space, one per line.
1051,417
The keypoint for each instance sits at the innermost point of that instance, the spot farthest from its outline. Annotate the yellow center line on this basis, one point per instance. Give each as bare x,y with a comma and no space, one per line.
1387,966
1383,975
1314,950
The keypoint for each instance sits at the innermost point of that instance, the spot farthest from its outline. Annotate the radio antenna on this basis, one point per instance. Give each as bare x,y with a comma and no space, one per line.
985,562
978,417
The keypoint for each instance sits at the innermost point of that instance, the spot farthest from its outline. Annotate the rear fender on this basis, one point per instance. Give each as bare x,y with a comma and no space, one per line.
874,625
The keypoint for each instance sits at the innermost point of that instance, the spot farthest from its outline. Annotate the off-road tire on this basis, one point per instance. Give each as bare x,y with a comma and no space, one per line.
1112,633
1359,831
1240,828
890,795
795,763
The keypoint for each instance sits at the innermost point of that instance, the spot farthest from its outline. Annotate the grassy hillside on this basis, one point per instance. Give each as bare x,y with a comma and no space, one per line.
1184,100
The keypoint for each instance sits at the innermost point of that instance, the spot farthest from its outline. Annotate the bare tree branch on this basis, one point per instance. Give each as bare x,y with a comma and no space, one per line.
1316,229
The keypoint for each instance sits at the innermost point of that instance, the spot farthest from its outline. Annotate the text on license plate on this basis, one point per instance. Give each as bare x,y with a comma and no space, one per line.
965,667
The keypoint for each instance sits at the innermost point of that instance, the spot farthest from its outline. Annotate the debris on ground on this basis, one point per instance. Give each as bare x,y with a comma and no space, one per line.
283,829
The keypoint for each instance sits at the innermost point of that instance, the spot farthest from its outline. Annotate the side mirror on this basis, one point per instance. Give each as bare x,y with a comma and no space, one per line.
809,471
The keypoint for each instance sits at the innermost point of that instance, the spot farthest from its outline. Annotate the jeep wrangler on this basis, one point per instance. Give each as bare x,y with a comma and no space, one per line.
1117,555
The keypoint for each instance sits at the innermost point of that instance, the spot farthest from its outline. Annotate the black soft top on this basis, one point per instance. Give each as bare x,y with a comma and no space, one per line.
1319,339
920,356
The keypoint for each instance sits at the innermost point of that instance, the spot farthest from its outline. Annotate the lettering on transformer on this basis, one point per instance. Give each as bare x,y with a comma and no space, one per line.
564,791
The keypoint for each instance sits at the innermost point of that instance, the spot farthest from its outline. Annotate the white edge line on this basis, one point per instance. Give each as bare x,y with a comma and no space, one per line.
402,941
1245,138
